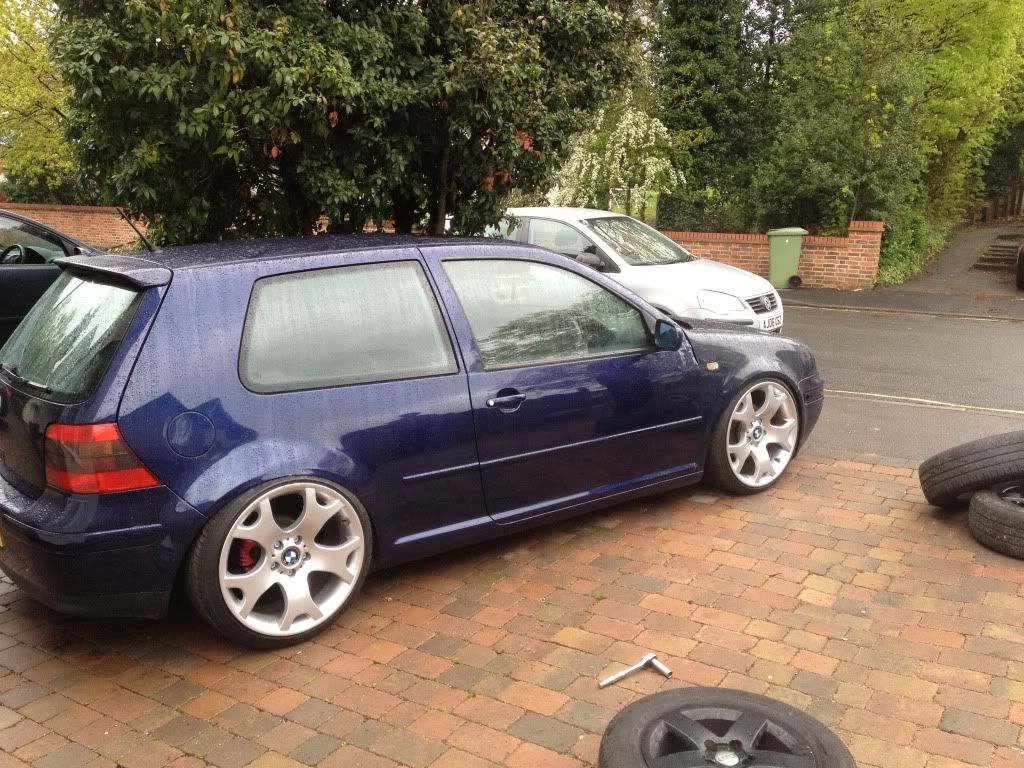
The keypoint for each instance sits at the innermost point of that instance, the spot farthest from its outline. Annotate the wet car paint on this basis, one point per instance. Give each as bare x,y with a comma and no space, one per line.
410,452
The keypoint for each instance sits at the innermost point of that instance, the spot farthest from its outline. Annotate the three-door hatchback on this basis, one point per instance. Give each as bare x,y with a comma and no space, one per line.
270,419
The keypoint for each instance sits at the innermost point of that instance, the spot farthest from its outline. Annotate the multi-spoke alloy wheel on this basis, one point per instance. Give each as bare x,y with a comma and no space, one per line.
285,563
763,431
704,727
755,439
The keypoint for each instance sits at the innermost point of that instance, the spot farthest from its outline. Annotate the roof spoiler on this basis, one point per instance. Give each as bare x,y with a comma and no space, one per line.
130,269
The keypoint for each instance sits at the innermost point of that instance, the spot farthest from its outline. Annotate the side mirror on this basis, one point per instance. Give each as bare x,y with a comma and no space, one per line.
667,336
588,257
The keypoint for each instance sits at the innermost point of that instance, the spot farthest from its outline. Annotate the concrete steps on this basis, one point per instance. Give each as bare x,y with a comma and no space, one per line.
1000,256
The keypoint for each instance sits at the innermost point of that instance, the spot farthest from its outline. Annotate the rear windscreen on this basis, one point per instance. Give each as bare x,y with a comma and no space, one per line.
64,344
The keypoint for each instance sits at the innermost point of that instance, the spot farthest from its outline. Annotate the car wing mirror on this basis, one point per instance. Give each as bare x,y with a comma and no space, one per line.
588,257
667,336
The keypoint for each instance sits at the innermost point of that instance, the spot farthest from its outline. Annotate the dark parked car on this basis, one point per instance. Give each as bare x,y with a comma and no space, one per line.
269,419
27,253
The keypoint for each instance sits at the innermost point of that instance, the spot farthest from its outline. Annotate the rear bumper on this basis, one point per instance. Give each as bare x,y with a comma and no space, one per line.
128,570
33,571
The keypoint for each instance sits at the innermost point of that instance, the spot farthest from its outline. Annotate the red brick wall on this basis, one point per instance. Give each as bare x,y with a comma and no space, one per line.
843,262
97,226
749,252
825,262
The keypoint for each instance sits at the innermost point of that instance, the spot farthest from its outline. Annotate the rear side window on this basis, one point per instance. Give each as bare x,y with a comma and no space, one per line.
65,343
349,325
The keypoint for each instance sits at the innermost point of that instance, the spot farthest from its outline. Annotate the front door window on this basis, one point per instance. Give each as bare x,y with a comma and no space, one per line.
527,313
22,243
558,237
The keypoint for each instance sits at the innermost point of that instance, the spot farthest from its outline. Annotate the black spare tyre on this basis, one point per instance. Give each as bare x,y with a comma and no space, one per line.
950,477
718,727
996,519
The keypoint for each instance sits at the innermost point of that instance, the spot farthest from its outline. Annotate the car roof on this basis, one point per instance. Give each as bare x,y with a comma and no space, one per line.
155,268
264,249
562,214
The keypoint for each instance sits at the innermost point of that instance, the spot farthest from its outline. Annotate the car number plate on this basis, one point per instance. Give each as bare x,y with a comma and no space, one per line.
771,323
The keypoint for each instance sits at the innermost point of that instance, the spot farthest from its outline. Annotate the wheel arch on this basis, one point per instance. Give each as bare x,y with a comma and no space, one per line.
255,487
734,385
320,601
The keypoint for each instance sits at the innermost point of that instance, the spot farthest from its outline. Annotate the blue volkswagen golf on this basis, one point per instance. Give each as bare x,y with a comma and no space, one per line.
266,421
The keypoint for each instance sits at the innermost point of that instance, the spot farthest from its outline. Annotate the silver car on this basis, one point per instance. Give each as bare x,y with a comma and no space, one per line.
648,263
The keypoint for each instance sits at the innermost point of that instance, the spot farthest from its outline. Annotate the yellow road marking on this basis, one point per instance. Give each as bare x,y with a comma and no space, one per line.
924,401
912,312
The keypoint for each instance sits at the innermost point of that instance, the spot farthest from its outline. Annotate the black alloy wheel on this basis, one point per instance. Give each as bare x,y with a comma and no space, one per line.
705,727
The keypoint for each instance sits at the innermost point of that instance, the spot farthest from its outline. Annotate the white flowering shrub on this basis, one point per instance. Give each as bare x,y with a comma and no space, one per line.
629,151
637,159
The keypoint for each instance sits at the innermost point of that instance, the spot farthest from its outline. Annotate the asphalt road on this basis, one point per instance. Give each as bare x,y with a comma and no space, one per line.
903,386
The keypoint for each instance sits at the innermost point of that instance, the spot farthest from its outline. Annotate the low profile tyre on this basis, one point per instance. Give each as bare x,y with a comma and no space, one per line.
702,727
755,439
278,565
996,519
950,477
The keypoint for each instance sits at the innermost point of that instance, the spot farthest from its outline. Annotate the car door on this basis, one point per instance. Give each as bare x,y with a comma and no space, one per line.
571,400
26,269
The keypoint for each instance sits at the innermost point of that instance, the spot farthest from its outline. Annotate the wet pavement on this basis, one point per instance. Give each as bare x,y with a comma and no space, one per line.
949,286
840,591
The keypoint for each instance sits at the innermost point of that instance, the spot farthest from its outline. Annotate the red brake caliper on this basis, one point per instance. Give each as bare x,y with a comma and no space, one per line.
248,552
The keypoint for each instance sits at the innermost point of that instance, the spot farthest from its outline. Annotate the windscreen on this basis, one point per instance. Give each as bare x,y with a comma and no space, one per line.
63,346
637,244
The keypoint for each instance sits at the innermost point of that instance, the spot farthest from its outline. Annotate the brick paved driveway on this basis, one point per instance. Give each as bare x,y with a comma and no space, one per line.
840,592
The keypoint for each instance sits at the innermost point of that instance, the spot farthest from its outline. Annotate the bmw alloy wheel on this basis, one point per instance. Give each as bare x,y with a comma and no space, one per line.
291,559
763,432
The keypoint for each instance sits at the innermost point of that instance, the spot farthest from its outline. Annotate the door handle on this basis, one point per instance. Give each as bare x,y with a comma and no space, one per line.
506,400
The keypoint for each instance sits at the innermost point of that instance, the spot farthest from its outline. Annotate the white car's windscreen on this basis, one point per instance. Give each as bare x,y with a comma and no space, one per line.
637,244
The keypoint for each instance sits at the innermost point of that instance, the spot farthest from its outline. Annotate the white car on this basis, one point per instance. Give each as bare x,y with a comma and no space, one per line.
648,263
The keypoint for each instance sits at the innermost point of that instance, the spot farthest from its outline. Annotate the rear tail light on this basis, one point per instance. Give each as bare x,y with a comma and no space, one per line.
93,458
